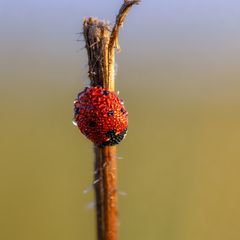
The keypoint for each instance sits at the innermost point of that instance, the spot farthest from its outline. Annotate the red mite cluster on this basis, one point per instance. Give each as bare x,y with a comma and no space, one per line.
101,116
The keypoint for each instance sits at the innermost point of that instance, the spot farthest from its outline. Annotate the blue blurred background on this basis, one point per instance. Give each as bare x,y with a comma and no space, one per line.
178,72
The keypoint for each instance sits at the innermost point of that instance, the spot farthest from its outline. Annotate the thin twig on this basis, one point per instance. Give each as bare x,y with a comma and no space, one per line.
123,12
113,42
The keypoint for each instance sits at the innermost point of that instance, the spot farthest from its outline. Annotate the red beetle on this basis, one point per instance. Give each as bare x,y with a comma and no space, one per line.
101,116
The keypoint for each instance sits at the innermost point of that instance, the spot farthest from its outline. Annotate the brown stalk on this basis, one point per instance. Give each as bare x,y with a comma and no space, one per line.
100,44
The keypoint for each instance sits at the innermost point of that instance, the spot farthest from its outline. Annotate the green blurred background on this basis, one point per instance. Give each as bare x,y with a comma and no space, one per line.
178,72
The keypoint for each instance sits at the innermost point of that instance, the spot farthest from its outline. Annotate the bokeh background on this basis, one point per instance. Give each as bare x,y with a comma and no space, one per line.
178,72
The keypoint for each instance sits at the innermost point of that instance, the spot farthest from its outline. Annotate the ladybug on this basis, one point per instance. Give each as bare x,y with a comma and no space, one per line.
101,116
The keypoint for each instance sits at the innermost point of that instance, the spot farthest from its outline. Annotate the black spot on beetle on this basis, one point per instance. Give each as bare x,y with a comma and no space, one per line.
111,113
114,138
123,110
92,124
110,133
105,92
77,110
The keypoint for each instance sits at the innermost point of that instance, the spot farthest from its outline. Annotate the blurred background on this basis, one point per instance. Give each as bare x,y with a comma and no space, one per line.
178,73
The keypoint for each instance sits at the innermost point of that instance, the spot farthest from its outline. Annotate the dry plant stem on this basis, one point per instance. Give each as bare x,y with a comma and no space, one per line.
106,192
97,35
100,45
113,42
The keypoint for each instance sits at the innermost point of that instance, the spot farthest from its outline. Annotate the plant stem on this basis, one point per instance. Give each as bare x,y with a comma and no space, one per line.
100,45
106,192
